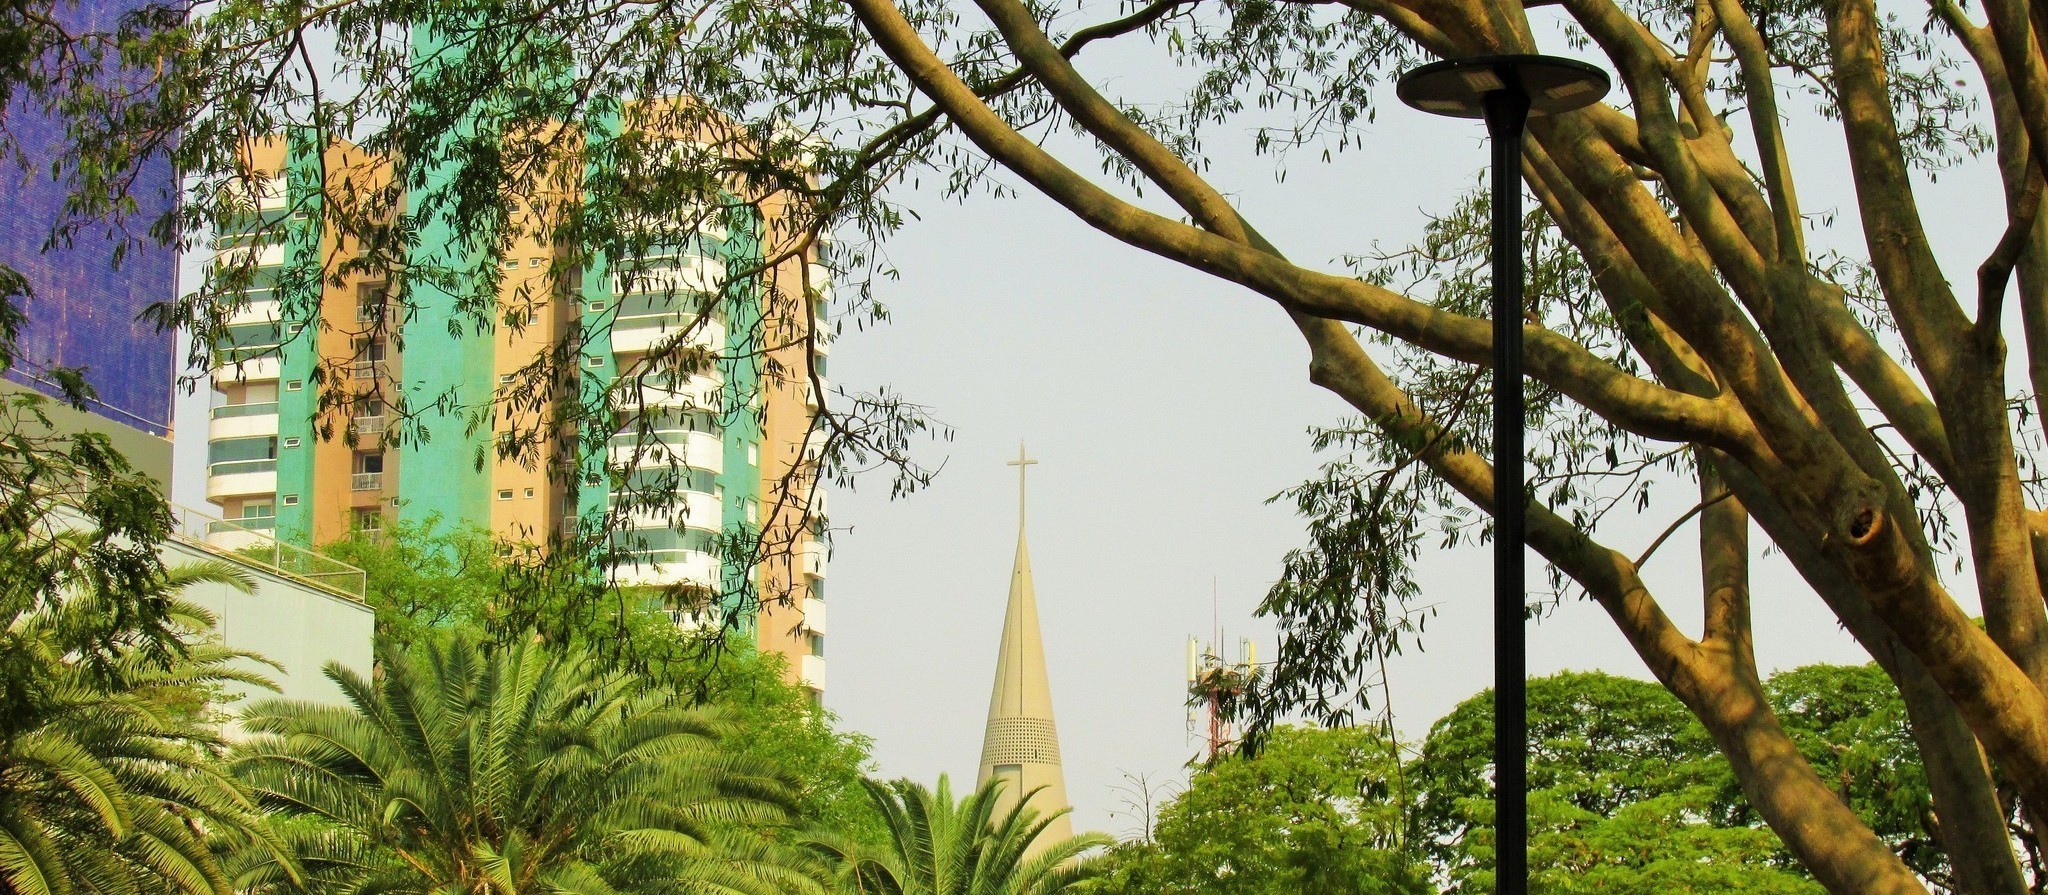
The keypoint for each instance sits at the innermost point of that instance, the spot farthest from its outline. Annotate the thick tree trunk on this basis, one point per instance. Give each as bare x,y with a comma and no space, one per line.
1972,823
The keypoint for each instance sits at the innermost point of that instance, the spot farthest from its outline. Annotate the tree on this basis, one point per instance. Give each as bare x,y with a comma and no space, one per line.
523,769
936,845
1628,793
1316,811
428,584
1684,325
110,773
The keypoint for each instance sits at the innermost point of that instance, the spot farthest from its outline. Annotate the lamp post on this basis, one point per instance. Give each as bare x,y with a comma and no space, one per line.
1506,91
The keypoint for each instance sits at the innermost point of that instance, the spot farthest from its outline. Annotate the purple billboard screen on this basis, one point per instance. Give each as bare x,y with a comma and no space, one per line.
85,311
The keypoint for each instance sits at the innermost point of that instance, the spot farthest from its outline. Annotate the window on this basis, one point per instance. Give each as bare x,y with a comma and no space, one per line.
369,462
292,442
370,349
596,362
753,454
290,500
533,262
529,494
511,264
505,494
596,307
818,645
369,302
292,385
369,520
258,510
504,379
753,512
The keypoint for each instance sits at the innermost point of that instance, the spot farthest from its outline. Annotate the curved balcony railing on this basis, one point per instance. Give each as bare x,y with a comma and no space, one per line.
231,411
242,353
236,467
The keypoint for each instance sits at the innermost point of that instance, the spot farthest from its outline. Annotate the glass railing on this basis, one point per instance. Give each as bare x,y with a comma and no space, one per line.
658,436
228,411
672,555
237,467
250,541
678,320
226,356
366,481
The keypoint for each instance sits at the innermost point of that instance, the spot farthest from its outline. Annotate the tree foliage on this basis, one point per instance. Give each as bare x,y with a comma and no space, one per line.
522,769
1317,811
429,583
1628,794
937,846
110,780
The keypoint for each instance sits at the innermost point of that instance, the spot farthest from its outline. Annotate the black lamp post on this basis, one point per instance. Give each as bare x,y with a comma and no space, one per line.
1506,90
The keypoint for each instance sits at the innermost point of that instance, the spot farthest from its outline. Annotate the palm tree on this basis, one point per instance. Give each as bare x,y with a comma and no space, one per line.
940,847
110,779
525,769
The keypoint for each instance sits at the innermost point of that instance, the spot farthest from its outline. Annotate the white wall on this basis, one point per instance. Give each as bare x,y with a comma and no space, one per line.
296,625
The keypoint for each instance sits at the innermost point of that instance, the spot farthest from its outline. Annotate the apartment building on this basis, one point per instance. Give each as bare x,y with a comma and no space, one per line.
307,439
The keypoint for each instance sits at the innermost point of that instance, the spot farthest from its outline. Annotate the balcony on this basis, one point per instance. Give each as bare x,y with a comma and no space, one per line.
813,672
240,478
268,255
240,534
366,481
811,558
693,509
693,274
367,425
258,408
641,333
365,370
664,567
696,391
249,363
814,615
243,420
254,312
697,450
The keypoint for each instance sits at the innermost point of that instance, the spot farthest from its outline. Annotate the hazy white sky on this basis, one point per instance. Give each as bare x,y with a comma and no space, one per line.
1165,407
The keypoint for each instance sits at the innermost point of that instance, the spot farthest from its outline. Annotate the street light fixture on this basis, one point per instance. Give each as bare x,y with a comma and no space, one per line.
1506,90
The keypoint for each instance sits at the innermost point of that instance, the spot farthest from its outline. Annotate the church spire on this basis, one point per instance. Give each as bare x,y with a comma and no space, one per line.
1021,744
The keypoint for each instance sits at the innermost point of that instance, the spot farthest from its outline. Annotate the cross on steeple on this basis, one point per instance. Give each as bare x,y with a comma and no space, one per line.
1023,464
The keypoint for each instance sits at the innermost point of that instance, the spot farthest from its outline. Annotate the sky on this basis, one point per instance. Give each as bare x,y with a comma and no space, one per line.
1165,408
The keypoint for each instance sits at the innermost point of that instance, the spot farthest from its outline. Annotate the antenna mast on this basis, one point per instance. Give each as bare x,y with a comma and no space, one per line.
1214,681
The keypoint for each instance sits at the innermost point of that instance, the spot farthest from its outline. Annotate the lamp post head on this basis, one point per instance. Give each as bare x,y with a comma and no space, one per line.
1457,88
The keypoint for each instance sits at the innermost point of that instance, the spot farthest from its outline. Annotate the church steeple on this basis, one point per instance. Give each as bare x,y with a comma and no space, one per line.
1021,744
